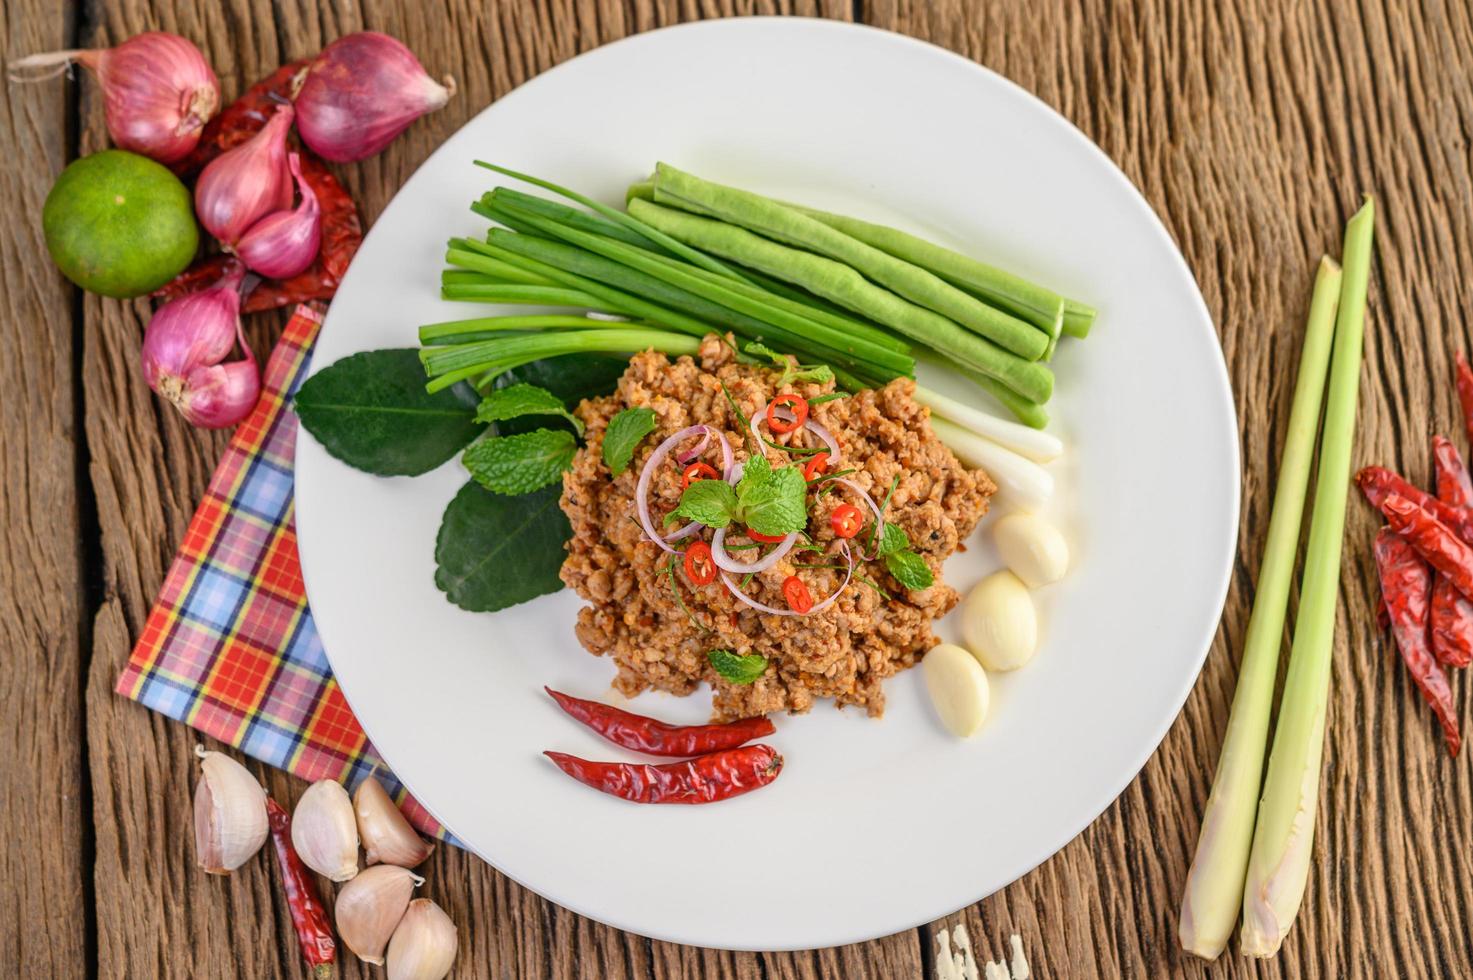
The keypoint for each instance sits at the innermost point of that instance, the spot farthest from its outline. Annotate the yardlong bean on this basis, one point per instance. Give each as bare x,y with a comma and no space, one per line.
777,221
843,285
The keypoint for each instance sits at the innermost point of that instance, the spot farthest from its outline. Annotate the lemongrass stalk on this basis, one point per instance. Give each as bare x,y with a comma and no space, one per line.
1278,865
1214,889
1041,447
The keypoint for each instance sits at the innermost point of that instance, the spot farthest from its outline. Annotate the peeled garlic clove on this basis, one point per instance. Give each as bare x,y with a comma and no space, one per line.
1032,547
424,944
324,831
370,906
958,688
229,813
387,836
999,623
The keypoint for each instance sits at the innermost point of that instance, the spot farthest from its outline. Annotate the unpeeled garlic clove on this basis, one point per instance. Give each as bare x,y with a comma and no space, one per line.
424,944
387,836
371,905
324,831
229,813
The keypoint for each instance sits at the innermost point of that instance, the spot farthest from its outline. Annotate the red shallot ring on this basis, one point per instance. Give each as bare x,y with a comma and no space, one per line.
723,558
641,490
874,508
688,456
773,610
823,434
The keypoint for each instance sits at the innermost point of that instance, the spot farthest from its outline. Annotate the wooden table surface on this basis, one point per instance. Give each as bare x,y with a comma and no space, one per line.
1251,127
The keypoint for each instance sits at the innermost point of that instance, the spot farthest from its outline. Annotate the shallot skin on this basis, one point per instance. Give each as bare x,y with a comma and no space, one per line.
361,92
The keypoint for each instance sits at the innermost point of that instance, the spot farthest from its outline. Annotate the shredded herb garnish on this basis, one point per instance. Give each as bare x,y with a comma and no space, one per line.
680,601
866,580
884,505
831,476
827,398
746,580
735,407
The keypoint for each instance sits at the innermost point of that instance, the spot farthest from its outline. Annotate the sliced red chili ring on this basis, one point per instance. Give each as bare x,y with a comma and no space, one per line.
766,538
699,567
697,471
815,465
800,600
846,520
796,404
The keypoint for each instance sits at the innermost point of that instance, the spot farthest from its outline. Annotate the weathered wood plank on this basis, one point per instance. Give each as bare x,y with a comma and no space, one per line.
43,818
1252,128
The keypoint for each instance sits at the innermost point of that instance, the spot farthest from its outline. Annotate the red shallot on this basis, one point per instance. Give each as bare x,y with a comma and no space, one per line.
363,90
244,184
733,588
724,561
642,488
184,345
157,90
284,243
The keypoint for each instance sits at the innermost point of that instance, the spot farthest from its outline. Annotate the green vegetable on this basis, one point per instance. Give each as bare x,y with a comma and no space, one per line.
517,400
771,501
777,221
627,220
893,540
520,463
1283,837
848,288
495,551
119,224
1029,301
491,327
670,567
520,294
477,268
1078,318
1214,889
624,434
447,365
513,200
371,411
909,569
793,372
710,502
738,668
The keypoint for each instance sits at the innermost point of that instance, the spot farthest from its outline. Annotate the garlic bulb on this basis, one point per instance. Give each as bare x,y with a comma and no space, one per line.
229,813
370,906
424,944
387,836
324,831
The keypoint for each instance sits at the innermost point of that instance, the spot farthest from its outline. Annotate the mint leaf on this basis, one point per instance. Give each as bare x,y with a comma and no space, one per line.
772,501
710,502
757,349
738,668
792,370
371,411
910,569
521,463
894,539
624,434
517,400
495,551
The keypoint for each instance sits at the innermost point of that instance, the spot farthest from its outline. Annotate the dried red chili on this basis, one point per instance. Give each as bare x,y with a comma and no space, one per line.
697,471
309,917
1465,393
1379,483
652,737
816,464
1452,614
799,599
846,520
699,566
1405,585
241,119
1433,540
709,779
796,405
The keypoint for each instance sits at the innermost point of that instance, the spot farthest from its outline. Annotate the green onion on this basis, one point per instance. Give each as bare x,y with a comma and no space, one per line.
848,288
518,294
1214,889
1283,836
513,200
777,221
490,327
447,365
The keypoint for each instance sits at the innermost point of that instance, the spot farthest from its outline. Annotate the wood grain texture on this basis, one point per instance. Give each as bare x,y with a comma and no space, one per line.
1251,128
44,824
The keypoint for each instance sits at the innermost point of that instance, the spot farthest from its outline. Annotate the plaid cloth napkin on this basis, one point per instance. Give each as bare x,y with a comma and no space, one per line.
230,647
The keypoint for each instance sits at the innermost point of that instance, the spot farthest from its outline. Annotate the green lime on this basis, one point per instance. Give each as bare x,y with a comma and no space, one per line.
119,224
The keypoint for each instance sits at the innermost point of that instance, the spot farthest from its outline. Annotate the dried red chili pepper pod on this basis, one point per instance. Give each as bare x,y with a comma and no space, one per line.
1452,613
309,917
1379,483
1433,540
652,737
709,779
1405,586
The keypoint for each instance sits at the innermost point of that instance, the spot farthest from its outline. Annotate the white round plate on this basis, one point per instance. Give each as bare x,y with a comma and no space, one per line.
875,825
